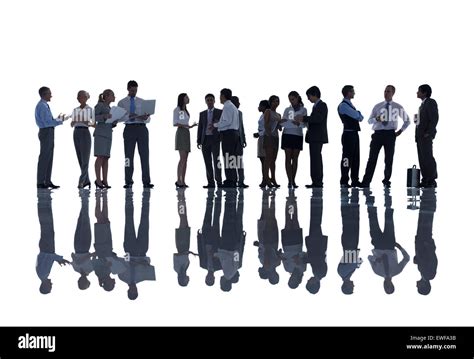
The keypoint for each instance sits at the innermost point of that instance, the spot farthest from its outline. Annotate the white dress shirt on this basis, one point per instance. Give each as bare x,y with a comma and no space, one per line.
229,118
390,118
180,117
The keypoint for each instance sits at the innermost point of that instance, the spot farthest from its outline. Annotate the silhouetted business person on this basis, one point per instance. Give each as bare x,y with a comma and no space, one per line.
46,124
208,140
425,133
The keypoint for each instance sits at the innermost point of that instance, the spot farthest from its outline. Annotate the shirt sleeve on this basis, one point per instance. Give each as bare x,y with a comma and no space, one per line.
406,119
345,109
373,115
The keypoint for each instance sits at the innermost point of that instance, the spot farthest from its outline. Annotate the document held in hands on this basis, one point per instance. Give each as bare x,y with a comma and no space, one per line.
148,107
118,114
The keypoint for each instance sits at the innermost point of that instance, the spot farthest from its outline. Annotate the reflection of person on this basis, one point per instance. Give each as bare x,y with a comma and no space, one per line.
231,246
292,137
317,134
293,256
262,107
106,261
81,120
208,140
208,237
316,243
241,144
182,137
267,231
47,255
46,124
425,133
137,264
103,137
350,118
425,248
135,133
384,259
82,257
350,260
183,241
384,121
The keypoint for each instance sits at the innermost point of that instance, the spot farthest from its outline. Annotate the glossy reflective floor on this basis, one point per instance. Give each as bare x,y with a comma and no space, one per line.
141,257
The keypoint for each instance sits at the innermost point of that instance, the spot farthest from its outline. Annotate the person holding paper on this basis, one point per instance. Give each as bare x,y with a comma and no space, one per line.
103,137
46,124
182,138
135,133
82,118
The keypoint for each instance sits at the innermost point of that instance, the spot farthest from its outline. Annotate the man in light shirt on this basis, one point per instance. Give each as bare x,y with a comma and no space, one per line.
384,121
228,127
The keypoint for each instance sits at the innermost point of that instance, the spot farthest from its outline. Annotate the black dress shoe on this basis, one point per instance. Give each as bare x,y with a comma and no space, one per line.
209,186
148,185
127,185
52,186
42,186
243,185
357,184
345,185
314,185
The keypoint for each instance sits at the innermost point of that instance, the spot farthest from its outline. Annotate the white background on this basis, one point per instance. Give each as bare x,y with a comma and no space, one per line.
257,49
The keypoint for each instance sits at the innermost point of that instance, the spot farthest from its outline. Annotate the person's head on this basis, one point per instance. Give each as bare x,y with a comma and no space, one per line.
263,106
348,91
274,101
132,292
388,285
183,100
424,286
108,283
183,279
107,96
210,279
313,285
210,100
45,93
226,94
389,92
347,287
424,91
132,87
235,101
83,283
46,285
295,99
313,93
82,97
226,285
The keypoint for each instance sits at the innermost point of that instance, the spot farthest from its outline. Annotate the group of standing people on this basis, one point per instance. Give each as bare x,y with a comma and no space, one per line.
225,129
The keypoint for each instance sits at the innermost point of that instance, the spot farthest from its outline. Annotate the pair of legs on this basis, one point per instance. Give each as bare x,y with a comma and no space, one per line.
101,167
182,165
291,164
271,152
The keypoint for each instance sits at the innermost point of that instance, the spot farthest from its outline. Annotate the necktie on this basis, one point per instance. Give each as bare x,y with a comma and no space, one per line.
387,118
132,105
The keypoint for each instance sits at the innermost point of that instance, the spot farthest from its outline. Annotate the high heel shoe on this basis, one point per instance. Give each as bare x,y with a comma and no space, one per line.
106,185
99,185
84,185
179,185
274,184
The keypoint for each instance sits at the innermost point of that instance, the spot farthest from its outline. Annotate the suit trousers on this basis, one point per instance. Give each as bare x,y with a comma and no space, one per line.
132,135
45,159
385,139
230,141
83,144
427,162
350,157
316,163
211,153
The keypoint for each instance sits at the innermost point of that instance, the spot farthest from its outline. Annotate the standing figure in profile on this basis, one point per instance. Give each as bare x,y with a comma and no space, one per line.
268,239
350,260
271,139
82,119
316,243
425,248
262,107
208,237
137,263
183,241
82,256
241,144
384,259
47,255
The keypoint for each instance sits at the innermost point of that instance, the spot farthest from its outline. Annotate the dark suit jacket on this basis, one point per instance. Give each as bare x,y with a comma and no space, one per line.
216,115
428,119
317,124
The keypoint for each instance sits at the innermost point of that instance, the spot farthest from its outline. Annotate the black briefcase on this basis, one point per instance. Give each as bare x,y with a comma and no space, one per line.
413,177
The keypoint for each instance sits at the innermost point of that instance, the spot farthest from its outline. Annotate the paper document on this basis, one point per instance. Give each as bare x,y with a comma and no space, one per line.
118,114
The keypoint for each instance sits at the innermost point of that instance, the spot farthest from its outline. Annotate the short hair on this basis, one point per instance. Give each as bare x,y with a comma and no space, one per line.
209,95
235,101
227,93
426,89
83,92
313,91
131,83
42,91
392,87
346,89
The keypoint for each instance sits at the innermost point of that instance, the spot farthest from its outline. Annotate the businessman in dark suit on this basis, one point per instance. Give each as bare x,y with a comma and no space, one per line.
317,134
208,139
424,135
